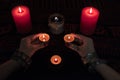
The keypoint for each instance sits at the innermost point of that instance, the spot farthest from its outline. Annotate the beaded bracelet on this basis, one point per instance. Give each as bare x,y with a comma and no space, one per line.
21,58
93,61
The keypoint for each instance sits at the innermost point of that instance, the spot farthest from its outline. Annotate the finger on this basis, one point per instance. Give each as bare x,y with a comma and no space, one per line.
36,36
78,42
83,40
28,38
80,36
91,48
73,47
36,41
39,46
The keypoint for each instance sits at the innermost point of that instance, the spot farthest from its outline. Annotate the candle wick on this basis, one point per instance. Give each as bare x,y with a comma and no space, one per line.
91,11
69,37
20,10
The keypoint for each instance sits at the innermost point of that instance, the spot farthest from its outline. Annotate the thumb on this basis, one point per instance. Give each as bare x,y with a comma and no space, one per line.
40,46
73,47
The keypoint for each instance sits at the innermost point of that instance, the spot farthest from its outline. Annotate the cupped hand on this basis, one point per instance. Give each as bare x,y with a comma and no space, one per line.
29,45
86,45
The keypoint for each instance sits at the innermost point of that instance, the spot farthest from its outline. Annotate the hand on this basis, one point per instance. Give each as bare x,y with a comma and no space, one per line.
29,45
83,49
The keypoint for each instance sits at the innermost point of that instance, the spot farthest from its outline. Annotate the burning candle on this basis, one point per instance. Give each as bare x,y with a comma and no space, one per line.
89,18
56,59
44,37
69,38
21,16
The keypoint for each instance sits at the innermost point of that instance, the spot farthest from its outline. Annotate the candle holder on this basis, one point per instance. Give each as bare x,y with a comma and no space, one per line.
69,38
56,23
55,59
44,37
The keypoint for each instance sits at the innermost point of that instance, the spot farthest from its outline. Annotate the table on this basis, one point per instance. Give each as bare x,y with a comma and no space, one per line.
105,40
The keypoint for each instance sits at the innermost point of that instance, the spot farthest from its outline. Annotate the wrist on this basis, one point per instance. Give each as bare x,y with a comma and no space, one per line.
27,52
89,58
93,61
96,63
21,58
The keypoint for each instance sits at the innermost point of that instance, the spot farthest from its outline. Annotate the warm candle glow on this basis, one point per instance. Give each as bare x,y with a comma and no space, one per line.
20,10
22,19
69,38
88,22
56,59
44,37
91,11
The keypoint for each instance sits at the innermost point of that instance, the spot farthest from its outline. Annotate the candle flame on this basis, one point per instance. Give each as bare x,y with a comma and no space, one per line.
43,36
55,59
69,37
20,10
91,10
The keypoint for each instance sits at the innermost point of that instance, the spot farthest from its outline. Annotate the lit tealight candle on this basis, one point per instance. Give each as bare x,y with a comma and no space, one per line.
69,38
56,59
44,37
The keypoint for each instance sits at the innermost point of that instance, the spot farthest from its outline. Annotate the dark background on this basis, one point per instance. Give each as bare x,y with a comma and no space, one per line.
106,37
109,10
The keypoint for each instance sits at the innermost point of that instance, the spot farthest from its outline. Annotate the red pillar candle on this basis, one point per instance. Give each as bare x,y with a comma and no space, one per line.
89,18
21,16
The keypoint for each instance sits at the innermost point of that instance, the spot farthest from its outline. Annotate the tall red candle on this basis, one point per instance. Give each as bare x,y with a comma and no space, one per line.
21,16
89,18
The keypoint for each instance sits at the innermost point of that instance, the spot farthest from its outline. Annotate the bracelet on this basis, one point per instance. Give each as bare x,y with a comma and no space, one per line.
21,58
93,60
89,58
93,64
